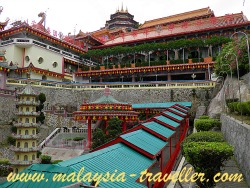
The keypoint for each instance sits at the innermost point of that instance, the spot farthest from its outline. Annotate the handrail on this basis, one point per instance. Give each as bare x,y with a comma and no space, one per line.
117,85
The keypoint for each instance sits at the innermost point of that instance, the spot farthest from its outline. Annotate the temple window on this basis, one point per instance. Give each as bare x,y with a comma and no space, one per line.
27,120
33,157
55,64
27,109
17,157
26,145
28,99
33,132
19,132
25,158
40,60
18,144
33,120
33,144
26,132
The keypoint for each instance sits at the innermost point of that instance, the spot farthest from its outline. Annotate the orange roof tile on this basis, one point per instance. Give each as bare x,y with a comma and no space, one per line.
178,17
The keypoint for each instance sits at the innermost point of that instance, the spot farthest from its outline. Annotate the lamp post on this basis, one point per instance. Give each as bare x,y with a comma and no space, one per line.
247,46
193,76
238,76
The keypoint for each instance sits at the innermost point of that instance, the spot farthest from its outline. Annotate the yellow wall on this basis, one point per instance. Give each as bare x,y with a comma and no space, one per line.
49,57
23,129
22,154
14,54
22,143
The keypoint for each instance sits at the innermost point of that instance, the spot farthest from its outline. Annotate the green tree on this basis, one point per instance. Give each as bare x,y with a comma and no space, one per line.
99,138
41,98
114,128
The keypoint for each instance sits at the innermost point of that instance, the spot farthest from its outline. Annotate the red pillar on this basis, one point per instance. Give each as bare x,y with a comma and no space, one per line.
106,126
147,113
124,126
89,133
170,145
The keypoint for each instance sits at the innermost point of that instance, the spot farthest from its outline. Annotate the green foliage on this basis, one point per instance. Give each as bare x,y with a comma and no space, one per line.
206,124
197,60
13,129
4,161
5,169
56,161
11,140
232,100
38,153
237,106
114,128
42,98
99,138
206,136
207,158
204,117
237,47
45,159
40,118
78,138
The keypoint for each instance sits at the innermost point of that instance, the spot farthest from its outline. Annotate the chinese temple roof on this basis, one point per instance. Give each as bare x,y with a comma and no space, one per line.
27,90
107,99
182,28
204,12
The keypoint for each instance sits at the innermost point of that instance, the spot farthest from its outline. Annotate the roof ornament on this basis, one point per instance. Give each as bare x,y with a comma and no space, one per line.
107,91
126,9
122,8
243,2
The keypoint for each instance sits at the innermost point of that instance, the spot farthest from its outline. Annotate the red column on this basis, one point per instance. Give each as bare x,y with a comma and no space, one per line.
89,133
170,145
124,126
147,113
161,160
106,126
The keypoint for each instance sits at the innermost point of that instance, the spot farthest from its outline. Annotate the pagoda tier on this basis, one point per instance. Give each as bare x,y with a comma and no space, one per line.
105,108
26,136
24,163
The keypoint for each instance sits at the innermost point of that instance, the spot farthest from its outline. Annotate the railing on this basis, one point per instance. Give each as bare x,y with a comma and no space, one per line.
26,124
52,135
7,92
18,136
17,162
27,113
116,85
28,102
13,148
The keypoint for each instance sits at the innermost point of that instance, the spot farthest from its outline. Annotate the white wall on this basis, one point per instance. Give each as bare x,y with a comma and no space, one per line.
14,54
49,57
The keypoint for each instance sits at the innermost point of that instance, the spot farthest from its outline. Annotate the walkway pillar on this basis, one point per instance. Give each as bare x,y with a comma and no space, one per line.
89,133
124,126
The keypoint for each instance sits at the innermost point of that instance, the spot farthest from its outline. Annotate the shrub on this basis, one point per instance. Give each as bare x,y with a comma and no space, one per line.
244,107
206,124
204,117
231,107
232,100
56,161
206,136
38,153
207,158
46,159
4,161
11,140
235,104
78,138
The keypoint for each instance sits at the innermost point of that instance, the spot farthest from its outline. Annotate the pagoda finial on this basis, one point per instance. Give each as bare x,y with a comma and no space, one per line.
122,7
126,9
107,91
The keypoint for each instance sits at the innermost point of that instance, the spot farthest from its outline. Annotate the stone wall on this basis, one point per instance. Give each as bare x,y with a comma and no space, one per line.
5,130
238,135
7,108
76,97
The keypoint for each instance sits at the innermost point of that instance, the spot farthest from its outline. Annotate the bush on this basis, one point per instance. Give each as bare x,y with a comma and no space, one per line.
232,100
207,158
206,124
38,153
206,136
78,138
244,107
56,161
4,161
11,140
45,159
204,117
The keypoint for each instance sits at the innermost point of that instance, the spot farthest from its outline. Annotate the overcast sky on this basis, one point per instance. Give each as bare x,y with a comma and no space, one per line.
91,15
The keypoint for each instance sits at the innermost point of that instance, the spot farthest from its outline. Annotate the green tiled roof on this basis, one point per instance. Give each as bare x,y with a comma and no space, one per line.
48,170
158,128
107,100
167,121
160,105
145,141
178,111
174,115
116,157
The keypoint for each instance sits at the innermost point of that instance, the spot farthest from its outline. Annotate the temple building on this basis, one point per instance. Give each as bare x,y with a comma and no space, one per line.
105,108
26,136
121,19
178,47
